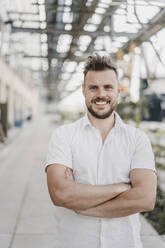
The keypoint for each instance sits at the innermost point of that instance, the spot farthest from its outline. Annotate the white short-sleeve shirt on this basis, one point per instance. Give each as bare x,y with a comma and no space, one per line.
79,146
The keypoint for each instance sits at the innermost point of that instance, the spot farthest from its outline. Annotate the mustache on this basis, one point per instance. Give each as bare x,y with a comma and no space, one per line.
100,99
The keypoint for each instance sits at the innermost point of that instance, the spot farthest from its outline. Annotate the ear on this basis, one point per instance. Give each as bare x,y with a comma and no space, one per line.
119,89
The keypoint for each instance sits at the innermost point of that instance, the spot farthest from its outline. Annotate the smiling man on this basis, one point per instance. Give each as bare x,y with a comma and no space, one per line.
100,171
101,91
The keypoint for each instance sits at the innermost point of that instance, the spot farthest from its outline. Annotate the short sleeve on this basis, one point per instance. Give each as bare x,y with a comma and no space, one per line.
59,150
143,156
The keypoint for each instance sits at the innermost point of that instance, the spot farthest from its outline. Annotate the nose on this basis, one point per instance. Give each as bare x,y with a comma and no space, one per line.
101,92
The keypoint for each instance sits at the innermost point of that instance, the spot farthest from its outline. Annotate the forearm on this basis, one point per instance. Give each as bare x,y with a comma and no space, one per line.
127,203
83,196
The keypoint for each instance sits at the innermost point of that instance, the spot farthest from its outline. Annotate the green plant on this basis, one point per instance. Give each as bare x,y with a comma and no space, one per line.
157,216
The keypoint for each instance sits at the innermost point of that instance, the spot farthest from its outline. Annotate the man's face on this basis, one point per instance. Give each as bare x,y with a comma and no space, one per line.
101,91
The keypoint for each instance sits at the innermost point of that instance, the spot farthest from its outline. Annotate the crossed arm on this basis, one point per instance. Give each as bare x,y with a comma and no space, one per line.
141,197
65,192
115,200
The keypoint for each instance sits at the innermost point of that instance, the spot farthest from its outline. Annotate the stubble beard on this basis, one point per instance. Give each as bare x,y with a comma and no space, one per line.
99,116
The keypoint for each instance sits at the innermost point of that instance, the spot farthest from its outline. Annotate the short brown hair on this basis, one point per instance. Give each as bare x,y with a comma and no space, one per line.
99,63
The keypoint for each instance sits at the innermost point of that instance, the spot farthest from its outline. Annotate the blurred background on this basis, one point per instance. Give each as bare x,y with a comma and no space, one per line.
43,46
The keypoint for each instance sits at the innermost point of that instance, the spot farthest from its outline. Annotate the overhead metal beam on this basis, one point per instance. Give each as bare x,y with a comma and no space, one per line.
35,56
22,13
114,3
59,32
154,26
80,24
79,21
111,10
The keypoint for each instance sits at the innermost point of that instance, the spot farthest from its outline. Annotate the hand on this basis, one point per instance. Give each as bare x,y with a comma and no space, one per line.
69,174
82,212
86,212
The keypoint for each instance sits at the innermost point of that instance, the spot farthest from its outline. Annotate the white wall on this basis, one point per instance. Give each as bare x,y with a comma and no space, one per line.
19,95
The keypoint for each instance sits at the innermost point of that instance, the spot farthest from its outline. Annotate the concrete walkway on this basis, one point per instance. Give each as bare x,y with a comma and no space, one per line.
26,211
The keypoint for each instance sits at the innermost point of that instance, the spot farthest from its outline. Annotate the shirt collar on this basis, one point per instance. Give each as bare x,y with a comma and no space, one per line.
118,121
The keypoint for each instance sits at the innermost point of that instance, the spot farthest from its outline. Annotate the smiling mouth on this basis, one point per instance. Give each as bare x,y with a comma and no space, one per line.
100,103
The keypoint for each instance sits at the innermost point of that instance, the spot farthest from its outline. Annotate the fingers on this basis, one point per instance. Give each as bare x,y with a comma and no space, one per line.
69,174
128,185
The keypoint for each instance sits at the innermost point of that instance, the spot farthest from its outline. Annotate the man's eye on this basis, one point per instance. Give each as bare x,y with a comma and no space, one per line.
107,87
93,87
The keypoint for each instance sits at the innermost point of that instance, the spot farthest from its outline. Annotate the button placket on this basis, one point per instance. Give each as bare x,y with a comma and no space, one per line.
108,139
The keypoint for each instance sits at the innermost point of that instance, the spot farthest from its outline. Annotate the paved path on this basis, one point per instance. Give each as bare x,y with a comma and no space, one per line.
26,212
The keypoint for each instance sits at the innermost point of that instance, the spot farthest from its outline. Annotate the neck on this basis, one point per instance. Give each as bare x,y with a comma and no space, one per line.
104,125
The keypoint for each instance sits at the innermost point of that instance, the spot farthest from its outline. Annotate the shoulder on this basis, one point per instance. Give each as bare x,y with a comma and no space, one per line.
68,130
131,134
135,134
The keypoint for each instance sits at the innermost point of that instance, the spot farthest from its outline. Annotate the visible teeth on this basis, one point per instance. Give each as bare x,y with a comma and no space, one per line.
100,103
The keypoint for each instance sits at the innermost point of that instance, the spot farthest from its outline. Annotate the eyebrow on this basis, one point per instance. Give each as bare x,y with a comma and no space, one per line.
92,84
106,84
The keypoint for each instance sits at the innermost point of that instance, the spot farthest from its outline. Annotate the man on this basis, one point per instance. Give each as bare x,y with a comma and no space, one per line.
100,171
